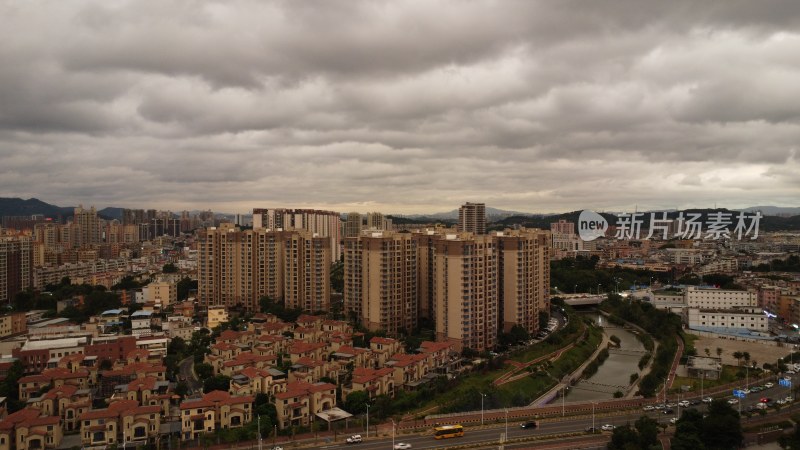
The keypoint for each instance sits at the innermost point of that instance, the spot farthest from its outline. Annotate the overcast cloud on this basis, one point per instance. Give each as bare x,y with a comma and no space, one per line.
401,107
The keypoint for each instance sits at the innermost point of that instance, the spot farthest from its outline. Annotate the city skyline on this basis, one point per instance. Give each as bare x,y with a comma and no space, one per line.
400,107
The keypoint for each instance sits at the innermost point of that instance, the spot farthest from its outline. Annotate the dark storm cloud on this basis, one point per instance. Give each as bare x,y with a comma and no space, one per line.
400,106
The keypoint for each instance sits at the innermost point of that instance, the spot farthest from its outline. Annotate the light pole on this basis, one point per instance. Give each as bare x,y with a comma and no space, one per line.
259,431
575,290
274,436
392,433
702,377
563,396
598,288
593,429
367,419
482,397
506,410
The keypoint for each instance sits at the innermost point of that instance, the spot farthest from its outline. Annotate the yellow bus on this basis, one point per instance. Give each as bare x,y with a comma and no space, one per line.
448,431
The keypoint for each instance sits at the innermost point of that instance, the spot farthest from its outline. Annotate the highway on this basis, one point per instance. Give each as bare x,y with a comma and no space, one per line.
490,434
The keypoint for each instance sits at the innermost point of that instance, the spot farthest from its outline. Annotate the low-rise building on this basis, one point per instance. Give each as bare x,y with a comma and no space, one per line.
215,411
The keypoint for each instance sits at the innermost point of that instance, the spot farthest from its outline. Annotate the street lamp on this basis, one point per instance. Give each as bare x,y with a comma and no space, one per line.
367,419
575,290
598,288
392,433
506,410
482,397
593,429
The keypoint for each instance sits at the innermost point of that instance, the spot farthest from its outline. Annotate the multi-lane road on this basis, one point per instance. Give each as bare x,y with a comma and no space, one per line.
490,435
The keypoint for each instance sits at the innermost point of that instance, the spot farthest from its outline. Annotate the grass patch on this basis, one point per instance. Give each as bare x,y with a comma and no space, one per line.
729,374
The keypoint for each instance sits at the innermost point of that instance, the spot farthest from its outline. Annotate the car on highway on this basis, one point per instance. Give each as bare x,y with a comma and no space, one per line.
708,400
683,403
694,402
673,420
592,430
746,390
649,408
531,424
668,411
402,446
608,427
671,405
757,389
790,372
354,439
789,399
768,385
765,400
733,401
660,406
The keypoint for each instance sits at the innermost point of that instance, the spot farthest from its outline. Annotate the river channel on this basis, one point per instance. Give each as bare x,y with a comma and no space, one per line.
614,374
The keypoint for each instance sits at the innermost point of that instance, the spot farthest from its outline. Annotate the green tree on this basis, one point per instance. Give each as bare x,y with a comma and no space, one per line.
217,383
181,388
624,438
185,285
169,268
648,431
722,428
204,371
357,402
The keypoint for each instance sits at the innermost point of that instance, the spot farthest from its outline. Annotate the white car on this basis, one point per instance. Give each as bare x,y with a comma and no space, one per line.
746,391
733,401
402,446
683,403
607,427
649,408
708,400
768,384
790,372
673,420
354,439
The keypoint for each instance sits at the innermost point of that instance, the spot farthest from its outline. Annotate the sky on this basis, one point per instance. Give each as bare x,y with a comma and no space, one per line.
401,106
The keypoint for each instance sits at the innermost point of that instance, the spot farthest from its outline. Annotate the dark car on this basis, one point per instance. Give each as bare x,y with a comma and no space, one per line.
669,411
531,424
592,430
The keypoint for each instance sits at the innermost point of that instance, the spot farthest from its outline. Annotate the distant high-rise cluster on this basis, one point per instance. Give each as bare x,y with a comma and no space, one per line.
472,218
322,223
470,286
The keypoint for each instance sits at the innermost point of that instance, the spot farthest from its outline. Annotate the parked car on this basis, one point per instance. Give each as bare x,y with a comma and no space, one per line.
608,427
683,403
591,430
733,401
669,411
354,439
768,384
671,405
649,408
708,400
765,400
531,424
673,420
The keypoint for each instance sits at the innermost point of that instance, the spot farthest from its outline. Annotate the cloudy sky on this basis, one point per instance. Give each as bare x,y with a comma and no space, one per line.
401,107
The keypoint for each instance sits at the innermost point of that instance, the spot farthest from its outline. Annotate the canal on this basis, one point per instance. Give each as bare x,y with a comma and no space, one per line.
614,374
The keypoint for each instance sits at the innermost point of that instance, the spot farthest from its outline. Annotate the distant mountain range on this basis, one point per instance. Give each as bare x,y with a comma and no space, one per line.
20,207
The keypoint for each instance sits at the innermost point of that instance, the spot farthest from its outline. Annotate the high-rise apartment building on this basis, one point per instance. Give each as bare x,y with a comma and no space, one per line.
376,221
465,290
353,225
472,218
380,280
523,278
470,287
238,267
324,223
86,227
16,266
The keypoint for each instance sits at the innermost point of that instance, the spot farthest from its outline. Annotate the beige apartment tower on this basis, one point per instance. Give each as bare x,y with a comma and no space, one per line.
523,277
472,218
380,280
239,267
465,291
323,223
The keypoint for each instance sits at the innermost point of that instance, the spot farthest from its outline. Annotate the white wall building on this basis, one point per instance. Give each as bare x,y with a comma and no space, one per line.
748,318
719,298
